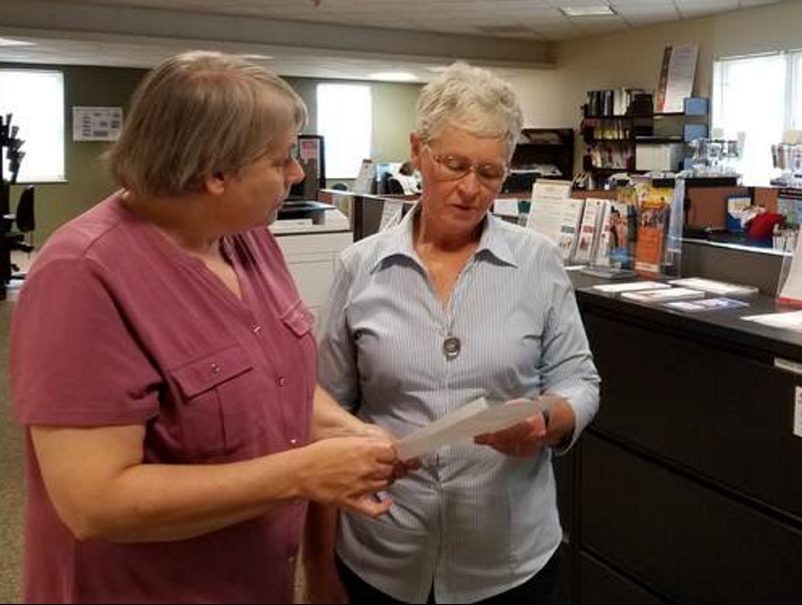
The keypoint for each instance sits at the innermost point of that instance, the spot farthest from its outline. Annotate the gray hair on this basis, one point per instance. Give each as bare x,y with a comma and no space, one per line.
473,100
199,114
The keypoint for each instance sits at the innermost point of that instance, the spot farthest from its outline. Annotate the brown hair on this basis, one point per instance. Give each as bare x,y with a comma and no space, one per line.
198,114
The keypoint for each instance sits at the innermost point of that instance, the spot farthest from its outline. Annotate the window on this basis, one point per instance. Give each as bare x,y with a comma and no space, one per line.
36,101
760,96
749,97
344,119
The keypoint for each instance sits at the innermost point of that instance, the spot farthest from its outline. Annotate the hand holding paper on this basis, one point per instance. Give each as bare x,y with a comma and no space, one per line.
475,418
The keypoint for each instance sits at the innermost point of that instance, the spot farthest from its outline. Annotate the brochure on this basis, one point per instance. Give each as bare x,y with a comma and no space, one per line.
715,287
706,304
630,286
791,320
663,294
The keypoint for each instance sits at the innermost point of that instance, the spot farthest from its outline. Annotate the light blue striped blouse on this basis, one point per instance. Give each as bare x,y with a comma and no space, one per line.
471,522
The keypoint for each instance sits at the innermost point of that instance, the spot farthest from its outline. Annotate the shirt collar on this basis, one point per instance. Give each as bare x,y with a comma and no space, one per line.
399,242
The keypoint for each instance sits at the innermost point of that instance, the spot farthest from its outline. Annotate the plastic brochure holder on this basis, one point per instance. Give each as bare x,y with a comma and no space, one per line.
641,230
789,285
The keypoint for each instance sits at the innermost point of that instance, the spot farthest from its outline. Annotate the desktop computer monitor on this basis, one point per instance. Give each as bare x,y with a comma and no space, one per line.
310,154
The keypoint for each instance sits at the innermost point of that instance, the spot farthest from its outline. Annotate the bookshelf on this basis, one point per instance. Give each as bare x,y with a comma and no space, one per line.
541,152
640,140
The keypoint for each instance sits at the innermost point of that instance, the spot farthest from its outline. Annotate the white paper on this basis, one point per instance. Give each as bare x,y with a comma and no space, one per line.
96,123
713,286
790,321
470,420
791,289
662,294
630,286
681,71
506,207
558,220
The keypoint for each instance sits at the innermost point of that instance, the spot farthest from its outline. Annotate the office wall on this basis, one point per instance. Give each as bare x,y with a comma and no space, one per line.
393,114
552,98
87,179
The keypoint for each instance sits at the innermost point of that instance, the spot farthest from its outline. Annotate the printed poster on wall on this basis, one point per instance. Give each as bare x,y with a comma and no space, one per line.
676,78
96,123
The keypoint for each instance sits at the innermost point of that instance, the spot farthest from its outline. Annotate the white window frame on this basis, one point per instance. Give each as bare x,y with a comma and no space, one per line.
344,118
792,105
40,118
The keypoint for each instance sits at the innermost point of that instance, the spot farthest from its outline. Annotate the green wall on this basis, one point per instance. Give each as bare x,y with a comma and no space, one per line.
87,179
393,113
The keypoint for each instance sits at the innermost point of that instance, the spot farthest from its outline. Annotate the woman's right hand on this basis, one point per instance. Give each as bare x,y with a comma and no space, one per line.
349,471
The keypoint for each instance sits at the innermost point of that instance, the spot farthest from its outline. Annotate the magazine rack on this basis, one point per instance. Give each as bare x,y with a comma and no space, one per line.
641,230
789,285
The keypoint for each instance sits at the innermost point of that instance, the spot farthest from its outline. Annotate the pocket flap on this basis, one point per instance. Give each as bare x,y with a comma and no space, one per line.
298,319
210,370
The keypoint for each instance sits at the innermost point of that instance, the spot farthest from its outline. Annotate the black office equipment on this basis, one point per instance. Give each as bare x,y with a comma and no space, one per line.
310,153
14,226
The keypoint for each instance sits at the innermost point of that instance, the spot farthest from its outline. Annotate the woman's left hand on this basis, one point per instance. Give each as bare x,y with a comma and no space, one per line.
521,440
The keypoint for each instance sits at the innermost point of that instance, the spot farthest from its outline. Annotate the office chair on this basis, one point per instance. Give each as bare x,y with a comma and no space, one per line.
26,223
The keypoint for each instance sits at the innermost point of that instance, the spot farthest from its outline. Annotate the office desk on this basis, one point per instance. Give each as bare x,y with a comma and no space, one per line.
688,484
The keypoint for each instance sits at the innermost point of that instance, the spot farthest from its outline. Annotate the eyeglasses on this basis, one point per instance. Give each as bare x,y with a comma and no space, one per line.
451,167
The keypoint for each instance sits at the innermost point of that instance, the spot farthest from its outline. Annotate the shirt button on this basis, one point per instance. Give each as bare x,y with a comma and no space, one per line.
293,442
256,330
282,381
216,368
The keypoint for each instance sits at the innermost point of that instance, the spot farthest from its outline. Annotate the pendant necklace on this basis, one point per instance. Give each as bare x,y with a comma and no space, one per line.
452,345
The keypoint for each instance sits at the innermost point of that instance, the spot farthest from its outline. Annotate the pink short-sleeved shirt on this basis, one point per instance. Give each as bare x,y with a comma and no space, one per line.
116,326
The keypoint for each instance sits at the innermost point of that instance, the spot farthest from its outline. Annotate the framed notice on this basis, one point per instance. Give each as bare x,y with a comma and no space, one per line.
676,77
96,123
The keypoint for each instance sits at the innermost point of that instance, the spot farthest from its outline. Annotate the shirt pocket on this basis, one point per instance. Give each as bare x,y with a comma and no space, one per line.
298,319
218,407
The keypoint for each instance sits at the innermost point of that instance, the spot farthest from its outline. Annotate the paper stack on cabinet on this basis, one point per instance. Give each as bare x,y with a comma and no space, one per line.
663,295
714,287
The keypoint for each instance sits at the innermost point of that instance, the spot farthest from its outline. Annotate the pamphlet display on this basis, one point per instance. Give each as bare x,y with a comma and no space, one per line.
556,215
790,288
641,229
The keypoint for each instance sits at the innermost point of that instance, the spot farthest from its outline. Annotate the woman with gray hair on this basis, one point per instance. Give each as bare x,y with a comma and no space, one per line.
164,366
424,318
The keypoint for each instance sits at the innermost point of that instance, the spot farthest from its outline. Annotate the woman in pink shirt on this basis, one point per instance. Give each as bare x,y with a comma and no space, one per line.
163,363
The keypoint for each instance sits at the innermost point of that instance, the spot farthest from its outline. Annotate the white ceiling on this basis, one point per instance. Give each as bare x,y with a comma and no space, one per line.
324,38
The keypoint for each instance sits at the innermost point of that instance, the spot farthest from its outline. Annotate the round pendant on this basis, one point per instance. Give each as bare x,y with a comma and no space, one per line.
451,347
